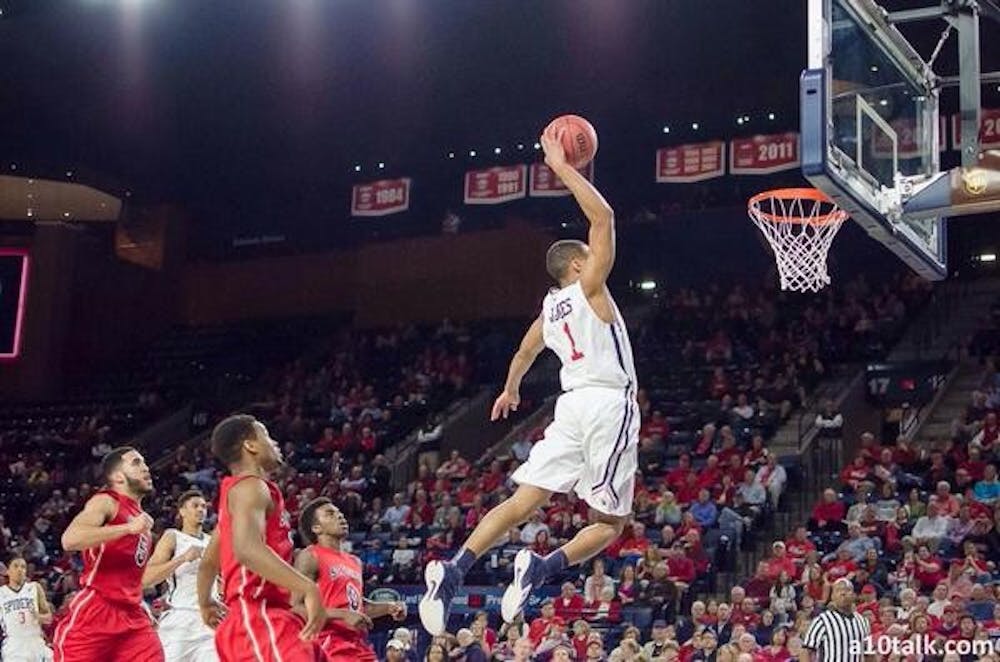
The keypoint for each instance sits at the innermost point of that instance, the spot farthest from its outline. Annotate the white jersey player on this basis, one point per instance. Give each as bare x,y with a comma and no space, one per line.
23,610
175,560
591,445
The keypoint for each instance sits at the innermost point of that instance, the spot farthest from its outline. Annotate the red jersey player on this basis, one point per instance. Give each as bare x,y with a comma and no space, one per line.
252,546
107,620
344,639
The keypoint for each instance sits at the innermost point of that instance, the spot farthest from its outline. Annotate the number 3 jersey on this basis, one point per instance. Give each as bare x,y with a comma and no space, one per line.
342,586
593,352
19,613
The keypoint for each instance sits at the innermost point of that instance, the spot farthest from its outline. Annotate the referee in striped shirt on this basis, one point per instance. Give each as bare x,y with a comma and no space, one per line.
838,634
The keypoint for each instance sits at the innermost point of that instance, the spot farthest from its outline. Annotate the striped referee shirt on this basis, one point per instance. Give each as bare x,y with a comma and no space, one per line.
836,637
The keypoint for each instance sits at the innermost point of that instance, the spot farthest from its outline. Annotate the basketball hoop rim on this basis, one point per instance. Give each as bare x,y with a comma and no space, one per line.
835,216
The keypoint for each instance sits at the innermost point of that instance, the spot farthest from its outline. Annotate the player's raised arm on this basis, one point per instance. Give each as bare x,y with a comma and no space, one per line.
601,217
162,564
531,346
88,527
208,573
382,609
248,503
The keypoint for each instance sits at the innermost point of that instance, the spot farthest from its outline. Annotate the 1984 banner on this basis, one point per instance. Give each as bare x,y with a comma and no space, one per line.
386,196
546,184
691,163
495,185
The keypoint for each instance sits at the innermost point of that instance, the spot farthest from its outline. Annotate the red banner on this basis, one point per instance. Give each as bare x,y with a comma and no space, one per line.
762,155
495,185
545,183
989,129
908,144
691,163
387,196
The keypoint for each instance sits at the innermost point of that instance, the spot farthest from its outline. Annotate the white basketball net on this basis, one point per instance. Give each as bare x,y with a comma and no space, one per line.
800,225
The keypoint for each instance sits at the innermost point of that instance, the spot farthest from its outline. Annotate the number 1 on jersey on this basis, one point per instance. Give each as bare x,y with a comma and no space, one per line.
574,354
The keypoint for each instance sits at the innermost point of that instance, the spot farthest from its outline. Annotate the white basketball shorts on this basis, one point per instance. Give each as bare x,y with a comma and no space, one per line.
25,650
590,447
185,637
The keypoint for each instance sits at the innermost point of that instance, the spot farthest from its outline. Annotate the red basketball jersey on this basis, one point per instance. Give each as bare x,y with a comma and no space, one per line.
342,586
238,582
114,569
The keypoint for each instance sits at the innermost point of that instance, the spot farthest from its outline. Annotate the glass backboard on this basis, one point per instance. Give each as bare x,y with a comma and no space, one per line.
871,131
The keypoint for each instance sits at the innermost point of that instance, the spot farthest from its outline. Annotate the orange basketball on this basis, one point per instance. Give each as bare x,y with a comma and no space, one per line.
579,140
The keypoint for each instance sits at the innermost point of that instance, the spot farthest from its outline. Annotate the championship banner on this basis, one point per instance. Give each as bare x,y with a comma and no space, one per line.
764,154
496,185
546,184
907,140
691,163
386,196
989,129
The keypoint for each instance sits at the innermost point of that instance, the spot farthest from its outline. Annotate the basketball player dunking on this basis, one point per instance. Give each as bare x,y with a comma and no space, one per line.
590,446
175,560
107,619
23,611
339,574
253,548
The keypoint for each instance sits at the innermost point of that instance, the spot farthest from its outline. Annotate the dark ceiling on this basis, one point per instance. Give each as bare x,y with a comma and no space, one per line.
268,104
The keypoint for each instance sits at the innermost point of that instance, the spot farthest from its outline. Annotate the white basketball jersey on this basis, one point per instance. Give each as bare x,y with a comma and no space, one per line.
593,352
19,610
184,582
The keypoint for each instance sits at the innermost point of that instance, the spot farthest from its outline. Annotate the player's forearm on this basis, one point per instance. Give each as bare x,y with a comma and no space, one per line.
519,367
208,571
377,609
79,537
593,204
805,655
45,619
158,573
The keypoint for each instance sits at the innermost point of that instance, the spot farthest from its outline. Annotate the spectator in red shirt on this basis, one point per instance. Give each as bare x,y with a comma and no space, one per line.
728,450
688,492
758,587
776,652
989,434
843,566
706,440
457,467
735,469
780,561
719,385
828,515
678,476
493,478
632,543
657,424
541,625
799,545
947,504
606,609
855,473
974,465
870,449
680,569
368,441
711,475
756,457
569,605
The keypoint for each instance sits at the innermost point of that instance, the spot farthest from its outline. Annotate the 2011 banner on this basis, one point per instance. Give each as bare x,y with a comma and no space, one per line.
386,196
989,129
545,183
691,163
496,185
764,154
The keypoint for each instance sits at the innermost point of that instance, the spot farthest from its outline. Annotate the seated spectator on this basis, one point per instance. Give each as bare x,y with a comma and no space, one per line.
988,489
597,582
780,561
855,474
705,442
570,604
606,608
857,544
704,510
711,474
660,593
542,545
581,637
677,477
541,625
828,515
532,527
798,546
931,528
396,514
443,512
758,587
455,468
776,650
928,569
782,596
757,456
667,511
752,493
656,647
773,477
887,504
987,437
947,504
521,449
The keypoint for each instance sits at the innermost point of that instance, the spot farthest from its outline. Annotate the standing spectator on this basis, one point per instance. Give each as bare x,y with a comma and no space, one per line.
772,477
830,421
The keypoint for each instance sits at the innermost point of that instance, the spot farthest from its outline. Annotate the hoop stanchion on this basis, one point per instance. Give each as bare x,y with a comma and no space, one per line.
799,224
